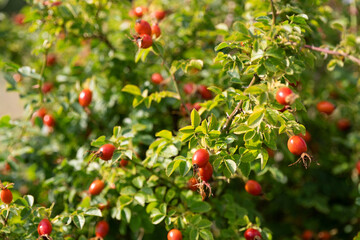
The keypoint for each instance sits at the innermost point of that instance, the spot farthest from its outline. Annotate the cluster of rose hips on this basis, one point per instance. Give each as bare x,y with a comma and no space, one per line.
143,28
310,235
296,144
47,119
328,108
191,89
105,153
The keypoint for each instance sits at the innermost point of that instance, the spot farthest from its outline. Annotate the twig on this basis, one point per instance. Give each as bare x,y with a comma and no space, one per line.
102,36
331,52
175,84
229,120
273,12
353,13
41,75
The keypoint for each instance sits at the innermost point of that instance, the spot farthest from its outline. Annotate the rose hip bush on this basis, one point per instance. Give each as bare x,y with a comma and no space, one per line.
181,120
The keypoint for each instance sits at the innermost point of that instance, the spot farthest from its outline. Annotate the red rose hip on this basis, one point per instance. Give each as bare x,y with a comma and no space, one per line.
296,145
191,184
142,27
138,11
253,187
96,187
306,137
189,88
160,14
174,234
358,166
325,107
204,92
156,78
307,235
6,196
155,30
283,96
85,97
49,120
206,172
47,87
252,234
324,235
50,59
344,124
101,229
124,163
106,151
144,41
44,227
201,158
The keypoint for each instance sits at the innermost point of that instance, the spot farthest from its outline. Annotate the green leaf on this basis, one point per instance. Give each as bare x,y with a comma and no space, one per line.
28,72
200,207
157,219
125,200
206,234
26,212
245,169
93,212
29,199
357,201
221,46
5,122
230,165
139,181
186,137
140,198
256,118
194,63
187,129
184,167
164,134
79,220
158,48
117,132
248,156
172,166
275,52
241,129
132,89
204,223
127,214
256,89
249,135
255,55
195,118
194,234
142,54
214,89
98,142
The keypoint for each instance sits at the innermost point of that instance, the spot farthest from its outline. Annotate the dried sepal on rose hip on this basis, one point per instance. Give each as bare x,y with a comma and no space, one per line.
44,229
105,152
285,96
298,147
144,41
203,172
